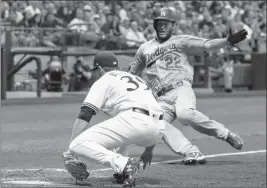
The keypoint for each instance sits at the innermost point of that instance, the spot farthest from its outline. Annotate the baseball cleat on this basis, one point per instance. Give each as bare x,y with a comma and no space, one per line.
130,172
194,158
190,159
234,140
118,178
201,159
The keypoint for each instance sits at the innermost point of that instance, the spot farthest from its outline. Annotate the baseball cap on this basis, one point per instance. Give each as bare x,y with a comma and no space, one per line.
105,59
96,16
87,8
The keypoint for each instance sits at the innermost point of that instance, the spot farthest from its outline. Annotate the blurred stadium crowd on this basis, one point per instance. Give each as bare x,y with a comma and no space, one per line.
127,24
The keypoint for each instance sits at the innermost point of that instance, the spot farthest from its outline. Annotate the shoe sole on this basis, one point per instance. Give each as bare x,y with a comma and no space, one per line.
234,143
236,146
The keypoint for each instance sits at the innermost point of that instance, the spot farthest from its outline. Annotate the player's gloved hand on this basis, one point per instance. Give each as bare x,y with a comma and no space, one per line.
75,167
147,156
234,38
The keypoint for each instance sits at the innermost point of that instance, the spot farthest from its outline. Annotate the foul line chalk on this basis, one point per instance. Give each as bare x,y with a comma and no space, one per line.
28,182
215,155
153,163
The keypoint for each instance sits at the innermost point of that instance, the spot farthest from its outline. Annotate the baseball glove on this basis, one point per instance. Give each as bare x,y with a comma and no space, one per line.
75,167
234,38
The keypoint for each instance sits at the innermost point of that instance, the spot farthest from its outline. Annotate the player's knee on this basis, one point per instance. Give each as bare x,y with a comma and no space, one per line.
73,146
185,115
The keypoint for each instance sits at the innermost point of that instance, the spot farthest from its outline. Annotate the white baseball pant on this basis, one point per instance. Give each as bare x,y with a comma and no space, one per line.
124,129
180,103
169,135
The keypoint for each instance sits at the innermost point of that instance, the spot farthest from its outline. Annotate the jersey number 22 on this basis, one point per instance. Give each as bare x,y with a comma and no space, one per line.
135,81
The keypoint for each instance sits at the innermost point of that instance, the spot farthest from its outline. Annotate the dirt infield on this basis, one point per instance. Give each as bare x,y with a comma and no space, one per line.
34,136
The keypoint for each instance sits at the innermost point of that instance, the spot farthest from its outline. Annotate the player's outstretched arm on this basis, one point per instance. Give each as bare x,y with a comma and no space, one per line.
230,40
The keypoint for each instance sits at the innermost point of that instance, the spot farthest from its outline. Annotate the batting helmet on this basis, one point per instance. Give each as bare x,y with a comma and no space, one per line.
165,13
105,59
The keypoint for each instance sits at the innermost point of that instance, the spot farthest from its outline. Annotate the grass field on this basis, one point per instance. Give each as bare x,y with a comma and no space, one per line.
34,137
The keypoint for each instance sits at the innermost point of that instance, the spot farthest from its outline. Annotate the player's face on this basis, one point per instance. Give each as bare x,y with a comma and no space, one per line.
164,29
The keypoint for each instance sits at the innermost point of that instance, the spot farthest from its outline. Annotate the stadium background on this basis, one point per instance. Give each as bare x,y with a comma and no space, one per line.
86,26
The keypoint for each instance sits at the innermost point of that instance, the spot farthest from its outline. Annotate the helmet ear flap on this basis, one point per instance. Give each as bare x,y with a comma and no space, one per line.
155,24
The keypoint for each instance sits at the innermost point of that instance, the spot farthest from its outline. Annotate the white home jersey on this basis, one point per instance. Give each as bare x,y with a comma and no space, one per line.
118,91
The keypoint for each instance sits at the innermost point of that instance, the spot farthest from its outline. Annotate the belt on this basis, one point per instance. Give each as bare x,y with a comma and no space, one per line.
167,88
146,112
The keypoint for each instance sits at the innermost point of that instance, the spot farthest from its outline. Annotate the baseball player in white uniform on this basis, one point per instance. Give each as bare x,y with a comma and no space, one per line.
166,62
137,119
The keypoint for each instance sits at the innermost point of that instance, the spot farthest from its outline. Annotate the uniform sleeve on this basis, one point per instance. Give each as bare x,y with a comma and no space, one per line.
98,93
139,63
194,45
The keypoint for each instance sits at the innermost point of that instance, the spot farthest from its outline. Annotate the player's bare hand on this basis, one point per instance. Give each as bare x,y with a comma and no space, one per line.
147,156
234,38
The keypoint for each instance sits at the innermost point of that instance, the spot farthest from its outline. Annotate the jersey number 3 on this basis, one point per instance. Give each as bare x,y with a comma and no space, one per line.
135,81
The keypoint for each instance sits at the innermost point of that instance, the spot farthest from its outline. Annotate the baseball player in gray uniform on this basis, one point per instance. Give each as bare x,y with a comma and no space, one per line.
137,118
166,62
